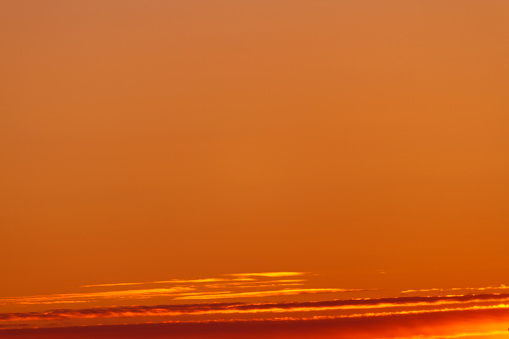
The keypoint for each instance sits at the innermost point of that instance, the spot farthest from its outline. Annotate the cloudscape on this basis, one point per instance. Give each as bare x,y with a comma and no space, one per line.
254,169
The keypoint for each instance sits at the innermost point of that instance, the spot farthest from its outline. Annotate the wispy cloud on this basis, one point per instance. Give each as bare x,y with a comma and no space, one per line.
249,287
236,285
476,289
86,297
458,335
268,274
258,294
174,281
233,277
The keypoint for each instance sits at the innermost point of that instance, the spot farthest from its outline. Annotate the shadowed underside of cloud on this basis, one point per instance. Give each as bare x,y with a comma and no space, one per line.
425,325
229,308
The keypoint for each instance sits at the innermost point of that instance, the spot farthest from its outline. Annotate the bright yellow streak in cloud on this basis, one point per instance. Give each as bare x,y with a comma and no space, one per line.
266,293
268,274
238,277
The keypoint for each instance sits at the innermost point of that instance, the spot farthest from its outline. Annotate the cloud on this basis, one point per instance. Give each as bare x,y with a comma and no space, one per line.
268,274
242,308
86,297
429,324
237,285
259,294
225,278
175,293
476,289
174,281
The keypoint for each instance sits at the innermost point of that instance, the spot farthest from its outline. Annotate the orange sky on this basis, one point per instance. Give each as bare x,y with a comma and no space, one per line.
363,143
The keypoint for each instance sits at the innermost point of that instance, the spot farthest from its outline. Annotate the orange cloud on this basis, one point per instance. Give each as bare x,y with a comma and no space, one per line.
86,297
268,274
235,278
479,289
224,295
263,284
174,281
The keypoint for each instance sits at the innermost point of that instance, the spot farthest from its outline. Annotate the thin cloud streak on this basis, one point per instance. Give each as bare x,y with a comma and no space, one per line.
174,281
235,277
479,289
263,284
86,297
255,283
259,294
175,293
268,274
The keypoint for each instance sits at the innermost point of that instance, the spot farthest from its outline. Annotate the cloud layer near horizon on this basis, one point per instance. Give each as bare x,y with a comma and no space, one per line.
280,319
110,303
243,308
432,324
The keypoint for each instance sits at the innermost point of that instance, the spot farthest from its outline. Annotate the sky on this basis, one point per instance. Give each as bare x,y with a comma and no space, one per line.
256,169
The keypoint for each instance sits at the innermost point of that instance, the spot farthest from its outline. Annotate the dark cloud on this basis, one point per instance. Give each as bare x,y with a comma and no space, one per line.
390,326
168,310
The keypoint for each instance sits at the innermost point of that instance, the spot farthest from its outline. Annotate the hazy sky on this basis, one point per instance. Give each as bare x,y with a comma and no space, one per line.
363,141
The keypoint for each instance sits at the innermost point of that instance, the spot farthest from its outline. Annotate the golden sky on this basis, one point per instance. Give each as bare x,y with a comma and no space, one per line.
184,152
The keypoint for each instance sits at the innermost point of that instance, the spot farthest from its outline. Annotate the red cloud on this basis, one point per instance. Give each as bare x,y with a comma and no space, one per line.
431,324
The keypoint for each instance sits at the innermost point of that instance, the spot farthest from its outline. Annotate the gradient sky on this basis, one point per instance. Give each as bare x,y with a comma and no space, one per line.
156,151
